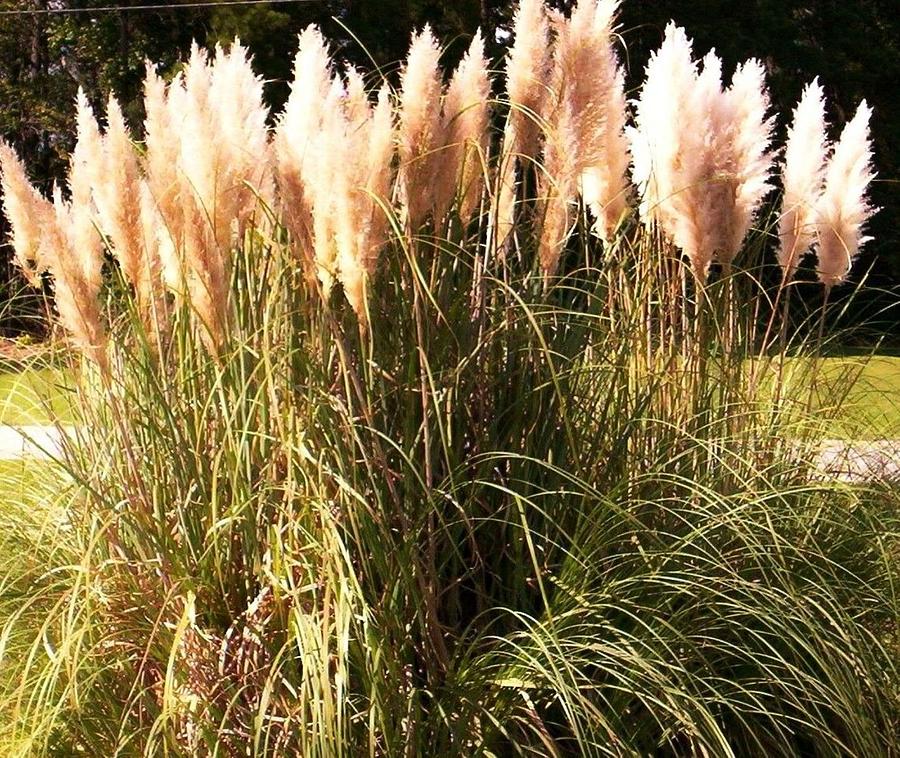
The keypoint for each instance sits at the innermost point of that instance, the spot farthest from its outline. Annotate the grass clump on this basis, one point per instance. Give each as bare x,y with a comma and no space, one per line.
487,506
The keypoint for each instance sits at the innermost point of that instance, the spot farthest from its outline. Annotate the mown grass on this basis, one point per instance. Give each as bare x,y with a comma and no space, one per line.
871,407
34,395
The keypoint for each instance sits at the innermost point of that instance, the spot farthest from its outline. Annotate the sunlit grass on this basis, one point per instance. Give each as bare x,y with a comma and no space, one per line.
871,409
33,396
32,528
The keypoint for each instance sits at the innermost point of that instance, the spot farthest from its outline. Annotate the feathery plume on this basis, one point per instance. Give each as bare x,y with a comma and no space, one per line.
295,142
604,183
206,226
527,70
746,158
803,174
117,196
701,155
465,128
164,109
76,278
328,157
581,129
843,207
420,128
156,245
27,211
85,172
236,104
364,183
668,160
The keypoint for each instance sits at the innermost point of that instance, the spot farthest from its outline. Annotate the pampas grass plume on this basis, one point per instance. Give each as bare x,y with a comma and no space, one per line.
363,185
28,213
76,278
294,142
118,197
164,114
583,136
669,143
843,207
85,173
803,173
748,159
527,68
465,127
420,128
604,180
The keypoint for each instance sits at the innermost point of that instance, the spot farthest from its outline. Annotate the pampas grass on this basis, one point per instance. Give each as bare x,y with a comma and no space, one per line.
701,156
370,490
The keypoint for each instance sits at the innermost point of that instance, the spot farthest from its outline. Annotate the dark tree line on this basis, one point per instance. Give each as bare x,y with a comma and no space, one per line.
853,47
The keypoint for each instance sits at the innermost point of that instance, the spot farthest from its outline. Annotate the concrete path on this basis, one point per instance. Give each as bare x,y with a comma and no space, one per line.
860,461
33,441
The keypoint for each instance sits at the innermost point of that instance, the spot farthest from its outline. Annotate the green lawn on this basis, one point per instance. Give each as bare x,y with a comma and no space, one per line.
32,396
872,407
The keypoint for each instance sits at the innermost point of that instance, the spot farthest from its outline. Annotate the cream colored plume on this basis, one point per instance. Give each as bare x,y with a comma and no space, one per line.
326,173
584,134
604,183
420,129
803,173
527,72
164,118
117,196
158,250
76,277
669,145
27,211
205,229
748,158
843,207
236,103
296,142
362,189
701,155
85,173
466,114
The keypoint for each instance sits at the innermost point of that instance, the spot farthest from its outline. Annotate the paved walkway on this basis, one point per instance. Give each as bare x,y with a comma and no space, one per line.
845,461
861,461
34,441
